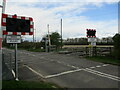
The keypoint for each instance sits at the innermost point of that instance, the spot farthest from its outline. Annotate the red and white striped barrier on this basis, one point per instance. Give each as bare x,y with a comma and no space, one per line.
4,16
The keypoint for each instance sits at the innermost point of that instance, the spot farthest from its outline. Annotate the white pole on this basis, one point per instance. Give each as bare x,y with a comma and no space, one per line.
119,17
16,63
49,43
33,33
4,4
46,41
61,33
49,36
3,11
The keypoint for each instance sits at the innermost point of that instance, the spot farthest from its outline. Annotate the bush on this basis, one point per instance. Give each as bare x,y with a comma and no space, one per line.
116,40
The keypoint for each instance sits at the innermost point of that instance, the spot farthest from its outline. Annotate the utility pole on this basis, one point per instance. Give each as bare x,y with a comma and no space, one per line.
119,17
49,35
61,34
49,43
46,41
3,11
33,33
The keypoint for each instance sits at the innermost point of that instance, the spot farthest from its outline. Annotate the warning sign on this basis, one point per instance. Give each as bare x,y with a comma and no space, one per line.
13,39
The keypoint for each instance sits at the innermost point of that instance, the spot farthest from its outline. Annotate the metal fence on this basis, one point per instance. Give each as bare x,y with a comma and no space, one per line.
95,51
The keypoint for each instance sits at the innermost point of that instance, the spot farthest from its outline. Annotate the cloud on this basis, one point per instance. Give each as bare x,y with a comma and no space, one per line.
50,13
63,1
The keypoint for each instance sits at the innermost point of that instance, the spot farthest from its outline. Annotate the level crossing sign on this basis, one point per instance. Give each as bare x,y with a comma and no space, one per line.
13,39
17,25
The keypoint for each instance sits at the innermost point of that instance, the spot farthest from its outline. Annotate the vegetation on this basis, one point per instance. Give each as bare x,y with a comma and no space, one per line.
104,59
84,41
26,84
54,39
116,39
39,46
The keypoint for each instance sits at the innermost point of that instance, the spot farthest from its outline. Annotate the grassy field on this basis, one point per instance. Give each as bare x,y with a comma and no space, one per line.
104,59
26,84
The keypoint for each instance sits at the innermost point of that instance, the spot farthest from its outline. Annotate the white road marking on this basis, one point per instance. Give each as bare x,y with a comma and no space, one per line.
92,67
34,71
72,71
63,73
102,74
13,73
105,65
98,66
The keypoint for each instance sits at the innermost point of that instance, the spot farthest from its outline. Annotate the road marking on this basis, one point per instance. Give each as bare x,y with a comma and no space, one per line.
63,73
98,66
92,67
105,65
34,71
13,73
72,71
33,55
102,74
67,65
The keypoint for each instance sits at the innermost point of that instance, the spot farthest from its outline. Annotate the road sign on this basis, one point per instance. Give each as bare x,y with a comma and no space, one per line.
13,39
17,25
92,39
93,43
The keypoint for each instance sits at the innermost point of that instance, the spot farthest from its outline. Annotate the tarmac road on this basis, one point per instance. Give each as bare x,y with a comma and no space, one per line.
69,71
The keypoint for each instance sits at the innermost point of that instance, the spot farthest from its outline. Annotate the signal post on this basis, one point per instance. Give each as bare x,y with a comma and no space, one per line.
13,27
91,35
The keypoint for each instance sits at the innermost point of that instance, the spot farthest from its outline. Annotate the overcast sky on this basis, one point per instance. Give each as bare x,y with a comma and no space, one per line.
77,15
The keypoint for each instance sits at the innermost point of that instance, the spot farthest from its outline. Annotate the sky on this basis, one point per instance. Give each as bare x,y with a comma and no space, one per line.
77,16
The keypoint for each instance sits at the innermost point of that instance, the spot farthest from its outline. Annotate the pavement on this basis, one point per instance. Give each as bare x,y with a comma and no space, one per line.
67,70
6,72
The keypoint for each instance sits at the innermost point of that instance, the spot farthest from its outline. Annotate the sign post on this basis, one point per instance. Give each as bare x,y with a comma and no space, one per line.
92,39
16,63
14,26
14,39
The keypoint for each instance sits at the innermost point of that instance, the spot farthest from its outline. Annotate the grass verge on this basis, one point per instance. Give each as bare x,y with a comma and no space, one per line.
104,59
26,84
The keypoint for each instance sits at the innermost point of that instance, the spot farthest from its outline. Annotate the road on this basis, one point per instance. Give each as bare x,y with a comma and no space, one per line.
69,70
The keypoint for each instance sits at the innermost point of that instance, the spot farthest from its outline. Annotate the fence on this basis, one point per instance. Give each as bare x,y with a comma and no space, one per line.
93,51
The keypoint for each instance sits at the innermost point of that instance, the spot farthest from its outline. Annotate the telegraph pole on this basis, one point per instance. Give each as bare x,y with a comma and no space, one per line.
49,43
118,17
49,35
61,33
33,34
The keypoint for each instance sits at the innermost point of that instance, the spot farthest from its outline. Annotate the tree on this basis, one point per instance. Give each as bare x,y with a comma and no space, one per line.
55,39
116,40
